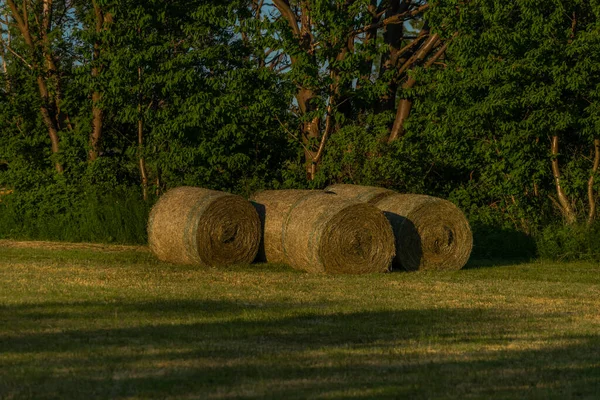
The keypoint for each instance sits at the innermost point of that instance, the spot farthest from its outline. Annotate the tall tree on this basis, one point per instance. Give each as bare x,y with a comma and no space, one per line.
39,25
520,94
337,51
102,19
180,81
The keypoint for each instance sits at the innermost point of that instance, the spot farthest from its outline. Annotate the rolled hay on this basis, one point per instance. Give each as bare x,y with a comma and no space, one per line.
323,233
431,233
276,204
203,227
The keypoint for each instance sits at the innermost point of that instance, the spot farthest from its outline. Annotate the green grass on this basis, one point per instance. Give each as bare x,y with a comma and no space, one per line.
87,323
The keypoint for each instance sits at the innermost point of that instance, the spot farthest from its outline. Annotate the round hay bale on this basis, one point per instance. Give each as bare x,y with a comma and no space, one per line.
203,227
320,232
431,233
273,207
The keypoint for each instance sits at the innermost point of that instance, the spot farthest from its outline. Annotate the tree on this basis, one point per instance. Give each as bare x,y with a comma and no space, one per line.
180,83
518,101
340,54
41,25
102,20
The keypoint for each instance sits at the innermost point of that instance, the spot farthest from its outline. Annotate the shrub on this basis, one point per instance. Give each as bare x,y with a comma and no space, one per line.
570,242
68,213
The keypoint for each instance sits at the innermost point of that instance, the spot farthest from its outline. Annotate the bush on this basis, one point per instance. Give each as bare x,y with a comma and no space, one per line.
569,243
68,213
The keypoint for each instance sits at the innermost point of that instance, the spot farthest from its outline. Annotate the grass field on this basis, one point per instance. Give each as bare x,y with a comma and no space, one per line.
86,322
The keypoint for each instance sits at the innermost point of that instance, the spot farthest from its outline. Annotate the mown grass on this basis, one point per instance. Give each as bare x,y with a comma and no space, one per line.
113,323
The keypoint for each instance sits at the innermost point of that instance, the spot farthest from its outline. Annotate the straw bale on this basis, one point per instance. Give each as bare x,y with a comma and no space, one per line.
203,227
324,233
273,206
431,233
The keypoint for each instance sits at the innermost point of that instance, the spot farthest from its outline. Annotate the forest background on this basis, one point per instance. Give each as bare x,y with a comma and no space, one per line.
106,104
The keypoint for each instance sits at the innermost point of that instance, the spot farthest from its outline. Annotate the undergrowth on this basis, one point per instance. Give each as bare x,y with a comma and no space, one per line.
75,216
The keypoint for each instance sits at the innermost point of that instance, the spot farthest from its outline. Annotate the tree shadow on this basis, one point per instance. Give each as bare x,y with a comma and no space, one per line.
204,349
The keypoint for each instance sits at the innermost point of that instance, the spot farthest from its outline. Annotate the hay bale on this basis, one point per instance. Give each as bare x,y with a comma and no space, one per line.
203,227
324,233
431,233
276,204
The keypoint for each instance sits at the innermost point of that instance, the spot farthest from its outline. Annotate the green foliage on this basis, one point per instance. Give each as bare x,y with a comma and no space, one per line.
220,94
572,242
517,74
207,113
66,213
179,69
361,155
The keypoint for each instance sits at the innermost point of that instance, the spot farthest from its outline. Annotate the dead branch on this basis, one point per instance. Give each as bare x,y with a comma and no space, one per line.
394,19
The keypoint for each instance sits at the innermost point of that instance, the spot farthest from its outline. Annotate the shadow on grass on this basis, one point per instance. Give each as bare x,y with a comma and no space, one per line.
275,350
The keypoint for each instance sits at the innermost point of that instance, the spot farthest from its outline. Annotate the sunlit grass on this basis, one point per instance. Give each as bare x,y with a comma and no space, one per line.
108,322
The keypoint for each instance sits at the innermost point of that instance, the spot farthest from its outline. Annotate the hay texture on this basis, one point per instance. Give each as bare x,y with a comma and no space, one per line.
324,233
431,233
203,227
273,207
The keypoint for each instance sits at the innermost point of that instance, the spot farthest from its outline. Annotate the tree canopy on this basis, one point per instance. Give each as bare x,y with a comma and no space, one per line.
491,104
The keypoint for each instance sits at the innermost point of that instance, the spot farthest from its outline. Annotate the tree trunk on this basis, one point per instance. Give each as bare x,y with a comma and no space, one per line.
591,194
49,106
302,31
563,200
310,134
52,72
393,37
405,105
4,45
402,115
97,126
50,122
97,111
140,129
143,169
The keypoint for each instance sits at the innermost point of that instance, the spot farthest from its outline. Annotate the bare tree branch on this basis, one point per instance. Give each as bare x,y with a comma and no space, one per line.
405,106
14,53
395,19
421,54
286,11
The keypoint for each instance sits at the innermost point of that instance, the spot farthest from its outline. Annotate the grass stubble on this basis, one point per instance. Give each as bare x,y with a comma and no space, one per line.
112,322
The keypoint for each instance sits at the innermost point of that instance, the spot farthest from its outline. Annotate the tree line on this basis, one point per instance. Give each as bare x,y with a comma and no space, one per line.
491,104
